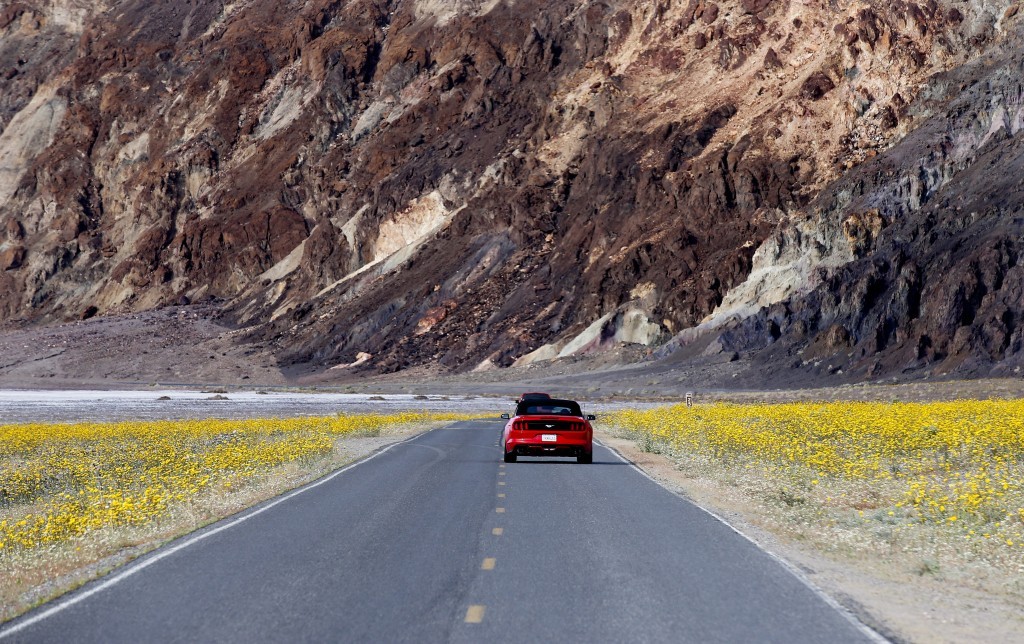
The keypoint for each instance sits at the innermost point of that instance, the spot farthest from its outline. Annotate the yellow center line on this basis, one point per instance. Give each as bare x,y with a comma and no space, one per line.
497,531
488,563
499,510
475,614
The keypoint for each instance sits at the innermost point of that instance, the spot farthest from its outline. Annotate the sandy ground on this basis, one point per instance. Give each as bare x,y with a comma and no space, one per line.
19,405
174,345
897,603
48,405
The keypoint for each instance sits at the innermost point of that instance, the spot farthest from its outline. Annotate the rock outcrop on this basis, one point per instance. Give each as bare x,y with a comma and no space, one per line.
482,182
923,274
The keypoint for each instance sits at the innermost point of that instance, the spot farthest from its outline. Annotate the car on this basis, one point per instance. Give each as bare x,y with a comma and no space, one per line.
533,395
548,427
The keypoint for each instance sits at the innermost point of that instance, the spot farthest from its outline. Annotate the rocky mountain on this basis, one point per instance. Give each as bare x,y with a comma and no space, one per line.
825,189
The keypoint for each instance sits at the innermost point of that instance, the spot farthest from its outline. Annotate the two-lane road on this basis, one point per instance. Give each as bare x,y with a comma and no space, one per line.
437,540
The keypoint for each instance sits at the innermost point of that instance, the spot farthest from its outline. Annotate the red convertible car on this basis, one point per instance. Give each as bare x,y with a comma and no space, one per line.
548,427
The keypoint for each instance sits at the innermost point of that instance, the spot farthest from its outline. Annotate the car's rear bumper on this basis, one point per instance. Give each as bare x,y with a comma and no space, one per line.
564,446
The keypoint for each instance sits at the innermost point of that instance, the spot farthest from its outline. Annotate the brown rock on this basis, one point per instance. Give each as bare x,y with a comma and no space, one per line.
772,60
68,227
888,119
14,230
12,12
755,6
836,337
12,258
816,86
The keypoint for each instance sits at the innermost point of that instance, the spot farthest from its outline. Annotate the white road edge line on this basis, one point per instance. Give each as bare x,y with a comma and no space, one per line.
161,553
871,633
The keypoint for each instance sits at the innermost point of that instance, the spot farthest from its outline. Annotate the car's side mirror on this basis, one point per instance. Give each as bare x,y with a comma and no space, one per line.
505,416
591,417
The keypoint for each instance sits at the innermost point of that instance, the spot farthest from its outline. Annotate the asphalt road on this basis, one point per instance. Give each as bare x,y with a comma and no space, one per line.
436,540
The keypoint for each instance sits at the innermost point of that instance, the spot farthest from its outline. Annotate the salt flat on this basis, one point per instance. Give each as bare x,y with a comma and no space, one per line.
39,405
19,406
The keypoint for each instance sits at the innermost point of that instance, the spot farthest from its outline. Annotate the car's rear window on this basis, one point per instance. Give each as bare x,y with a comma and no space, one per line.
551,407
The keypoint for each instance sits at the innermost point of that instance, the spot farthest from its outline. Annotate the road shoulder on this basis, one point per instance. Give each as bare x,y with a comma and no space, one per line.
900,605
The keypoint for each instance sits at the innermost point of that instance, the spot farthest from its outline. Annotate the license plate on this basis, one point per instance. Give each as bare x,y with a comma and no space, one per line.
549,438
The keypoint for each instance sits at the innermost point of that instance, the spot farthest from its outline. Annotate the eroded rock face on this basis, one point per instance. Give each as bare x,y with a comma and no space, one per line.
473,182
932,234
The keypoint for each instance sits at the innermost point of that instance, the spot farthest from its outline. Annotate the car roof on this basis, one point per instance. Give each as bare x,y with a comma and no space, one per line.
549,406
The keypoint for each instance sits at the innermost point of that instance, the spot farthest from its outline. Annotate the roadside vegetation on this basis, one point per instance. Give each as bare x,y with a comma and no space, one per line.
937,487
74,495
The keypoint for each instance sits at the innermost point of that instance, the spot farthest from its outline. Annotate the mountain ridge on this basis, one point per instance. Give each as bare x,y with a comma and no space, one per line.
480,184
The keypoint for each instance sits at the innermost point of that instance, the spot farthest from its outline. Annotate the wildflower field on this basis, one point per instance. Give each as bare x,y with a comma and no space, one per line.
68,486
945,476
